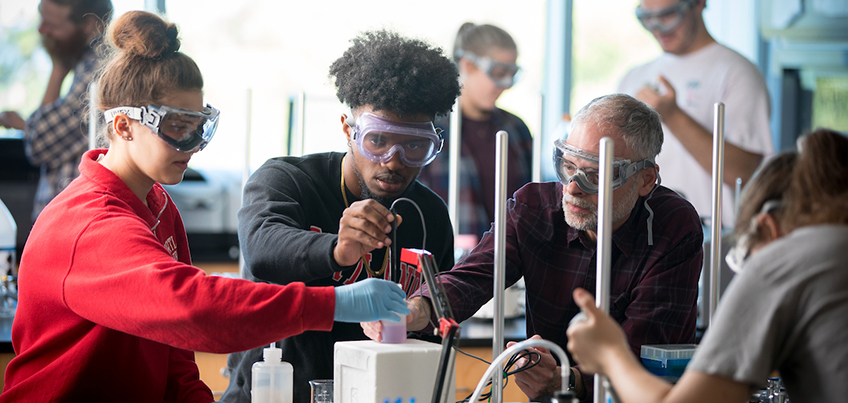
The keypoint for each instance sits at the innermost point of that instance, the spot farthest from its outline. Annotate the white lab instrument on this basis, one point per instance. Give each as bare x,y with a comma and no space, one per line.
513,297
367,372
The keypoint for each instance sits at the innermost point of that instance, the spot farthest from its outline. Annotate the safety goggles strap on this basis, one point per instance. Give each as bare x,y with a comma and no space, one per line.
131,112
631,169
144,115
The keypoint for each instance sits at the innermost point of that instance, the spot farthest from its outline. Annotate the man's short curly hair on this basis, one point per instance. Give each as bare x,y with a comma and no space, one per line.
396,74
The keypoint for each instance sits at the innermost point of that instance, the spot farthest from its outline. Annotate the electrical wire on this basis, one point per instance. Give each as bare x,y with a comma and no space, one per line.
395,255
533,357
420,214
423,245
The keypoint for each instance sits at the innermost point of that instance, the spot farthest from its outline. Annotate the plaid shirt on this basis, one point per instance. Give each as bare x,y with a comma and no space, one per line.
653,289
472,215
56,135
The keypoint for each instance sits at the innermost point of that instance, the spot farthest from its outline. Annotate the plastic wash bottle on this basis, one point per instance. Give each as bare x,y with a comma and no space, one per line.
272,378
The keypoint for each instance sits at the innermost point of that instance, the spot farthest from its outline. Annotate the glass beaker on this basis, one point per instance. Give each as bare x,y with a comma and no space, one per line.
394,332
322,390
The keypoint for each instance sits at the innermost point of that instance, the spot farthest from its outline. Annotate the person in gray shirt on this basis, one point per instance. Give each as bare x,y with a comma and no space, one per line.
786,310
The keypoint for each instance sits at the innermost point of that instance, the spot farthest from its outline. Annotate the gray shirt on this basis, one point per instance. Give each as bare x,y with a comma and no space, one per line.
786,311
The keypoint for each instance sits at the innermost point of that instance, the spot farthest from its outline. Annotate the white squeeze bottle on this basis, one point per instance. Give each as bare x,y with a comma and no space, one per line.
272,378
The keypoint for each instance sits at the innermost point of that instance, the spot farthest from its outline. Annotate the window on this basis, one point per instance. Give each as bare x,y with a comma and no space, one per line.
278,49
24,65
608,41
829,99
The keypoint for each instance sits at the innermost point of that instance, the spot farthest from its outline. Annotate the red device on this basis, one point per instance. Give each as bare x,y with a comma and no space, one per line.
448,328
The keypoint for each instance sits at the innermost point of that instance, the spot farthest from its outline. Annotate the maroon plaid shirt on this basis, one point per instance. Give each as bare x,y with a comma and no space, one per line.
653,289
477,165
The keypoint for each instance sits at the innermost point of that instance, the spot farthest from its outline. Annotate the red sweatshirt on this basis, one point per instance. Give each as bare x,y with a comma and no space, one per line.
110,308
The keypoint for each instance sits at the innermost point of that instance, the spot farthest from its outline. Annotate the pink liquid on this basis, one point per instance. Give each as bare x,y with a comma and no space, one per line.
394,332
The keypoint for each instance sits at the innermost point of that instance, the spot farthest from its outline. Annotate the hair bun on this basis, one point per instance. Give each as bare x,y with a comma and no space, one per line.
144,34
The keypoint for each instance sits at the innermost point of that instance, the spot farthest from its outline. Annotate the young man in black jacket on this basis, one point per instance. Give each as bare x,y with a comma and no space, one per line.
324,219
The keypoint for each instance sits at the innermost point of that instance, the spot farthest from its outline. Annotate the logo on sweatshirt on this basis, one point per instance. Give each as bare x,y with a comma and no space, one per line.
171,245
410,278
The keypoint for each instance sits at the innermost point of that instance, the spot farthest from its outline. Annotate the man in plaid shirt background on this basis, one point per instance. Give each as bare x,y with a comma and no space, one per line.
56,134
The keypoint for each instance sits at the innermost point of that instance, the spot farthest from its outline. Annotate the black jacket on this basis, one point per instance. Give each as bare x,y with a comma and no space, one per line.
288,227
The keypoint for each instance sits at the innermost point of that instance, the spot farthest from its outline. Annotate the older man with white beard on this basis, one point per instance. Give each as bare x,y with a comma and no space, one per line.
551,241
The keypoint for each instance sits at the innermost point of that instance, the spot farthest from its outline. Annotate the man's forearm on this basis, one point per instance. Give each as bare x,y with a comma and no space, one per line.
54,84
698,142
421,315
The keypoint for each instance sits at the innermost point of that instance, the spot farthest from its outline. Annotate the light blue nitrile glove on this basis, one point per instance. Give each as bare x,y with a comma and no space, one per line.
370,300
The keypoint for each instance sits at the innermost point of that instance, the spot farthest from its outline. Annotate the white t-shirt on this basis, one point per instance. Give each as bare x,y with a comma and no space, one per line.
712,74
786,310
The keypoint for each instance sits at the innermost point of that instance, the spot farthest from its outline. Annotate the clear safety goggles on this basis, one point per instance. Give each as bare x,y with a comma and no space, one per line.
503,74
588,177
664,20
183,129
378,139
739,253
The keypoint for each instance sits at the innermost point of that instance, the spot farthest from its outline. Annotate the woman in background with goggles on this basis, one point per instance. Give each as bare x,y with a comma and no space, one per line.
787,310
110,308
486,56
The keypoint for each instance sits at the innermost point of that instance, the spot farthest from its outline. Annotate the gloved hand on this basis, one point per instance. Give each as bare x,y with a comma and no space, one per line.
370,300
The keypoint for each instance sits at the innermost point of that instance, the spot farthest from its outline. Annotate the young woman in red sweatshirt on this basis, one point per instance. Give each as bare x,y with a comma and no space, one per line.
110,308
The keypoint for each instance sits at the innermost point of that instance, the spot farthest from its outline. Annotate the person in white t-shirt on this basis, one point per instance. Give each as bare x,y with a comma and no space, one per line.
683,85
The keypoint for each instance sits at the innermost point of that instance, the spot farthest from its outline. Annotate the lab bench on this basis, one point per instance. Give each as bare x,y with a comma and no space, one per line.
475,339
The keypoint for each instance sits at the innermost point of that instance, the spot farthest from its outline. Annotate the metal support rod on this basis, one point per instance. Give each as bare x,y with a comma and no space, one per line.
604,247
299,138
455,148
737,197
245,174
502,142
537,144
92,115
715,239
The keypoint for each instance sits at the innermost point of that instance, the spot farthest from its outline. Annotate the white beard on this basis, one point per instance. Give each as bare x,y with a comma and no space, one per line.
589,220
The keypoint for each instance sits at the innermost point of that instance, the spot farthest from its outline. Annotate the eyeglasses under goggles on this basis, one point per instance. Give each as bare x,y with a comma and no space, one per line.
504,75
378,139
588,178
183,129
666,19
739,253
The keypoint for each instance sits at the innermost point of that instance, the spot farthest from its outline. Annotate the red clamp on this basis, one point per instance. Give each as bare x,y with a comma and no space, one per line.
446,325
